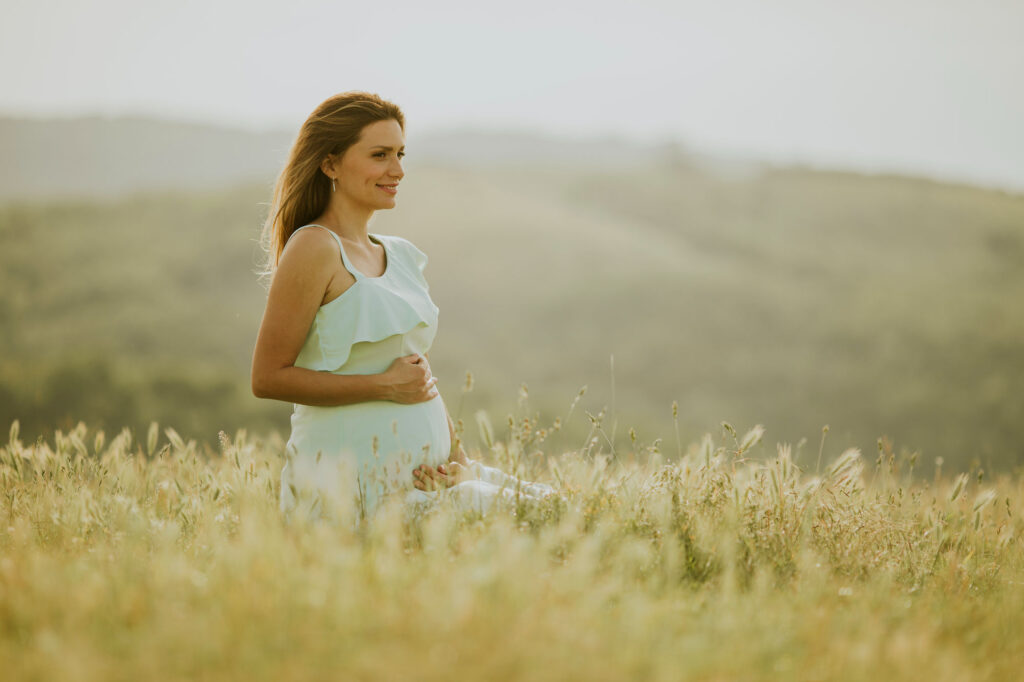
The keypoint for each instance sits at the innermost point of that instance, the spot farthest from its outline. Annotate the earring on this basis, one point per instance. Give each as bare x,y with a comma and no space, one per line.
332,185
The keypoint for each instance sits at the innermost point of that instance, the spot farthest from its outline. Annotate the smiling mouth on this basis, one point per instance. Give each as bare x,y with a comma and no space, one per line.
391,189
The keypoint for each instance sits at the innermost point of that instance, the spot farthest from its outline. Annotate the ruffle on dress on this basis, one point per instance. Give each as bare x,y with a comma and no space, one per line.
372,309
417,257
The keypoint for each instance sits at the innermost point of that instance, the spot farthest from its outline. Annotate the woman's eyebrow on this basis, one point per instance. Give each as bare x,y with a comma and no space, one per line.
380,146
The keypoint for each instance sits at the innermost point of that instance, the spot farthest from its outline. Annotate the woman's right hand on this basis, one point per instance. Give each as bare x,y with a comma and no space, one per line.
409,380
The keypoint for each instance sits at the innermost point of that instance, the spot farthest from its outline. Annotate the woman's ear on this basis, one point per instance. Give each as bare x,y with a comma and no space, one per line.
328,166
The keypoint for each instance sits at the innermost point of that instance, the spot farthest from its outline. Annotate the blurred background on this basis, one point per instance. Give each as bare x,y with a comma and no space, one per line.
790,213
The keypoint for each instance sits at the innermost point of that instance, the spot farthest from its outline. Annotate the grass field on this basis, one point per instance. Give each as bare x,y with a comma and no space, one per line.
882,306
153,557
886,307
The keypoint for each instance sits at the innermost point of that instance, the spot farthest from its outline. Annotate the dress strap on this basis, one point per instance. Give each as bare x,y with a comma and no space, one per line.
344,257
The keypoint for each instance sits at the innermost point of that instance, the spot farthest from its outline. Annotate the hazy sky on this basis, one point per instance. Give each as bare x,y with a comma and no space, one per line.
932,87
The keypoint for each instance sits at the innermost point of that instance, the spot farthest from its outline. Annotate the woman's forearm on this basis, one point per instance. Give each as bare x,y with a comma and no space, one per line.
319,389
499,478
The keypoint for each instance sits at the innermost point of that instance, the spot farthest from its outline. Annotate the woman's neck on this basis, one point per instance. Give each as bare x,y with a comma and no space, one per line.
350,222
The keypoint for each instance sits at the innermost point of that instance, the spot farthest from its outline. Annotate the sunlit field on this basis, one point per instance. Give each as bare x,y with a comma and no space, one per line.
148,557
882,306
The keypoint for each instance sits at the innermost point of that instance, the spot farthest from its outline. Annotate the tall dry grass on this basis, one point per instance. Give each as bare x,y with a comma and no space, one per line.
166,559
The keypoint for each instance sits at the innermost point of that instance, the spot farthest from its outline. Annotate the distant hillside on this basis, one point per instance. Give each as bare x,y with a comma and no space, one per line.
881,306
94,157
107,157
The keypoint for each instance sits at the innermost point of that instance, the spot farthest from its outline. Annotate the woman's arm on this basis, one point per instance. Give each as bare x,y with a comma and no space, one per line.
305,270
503,480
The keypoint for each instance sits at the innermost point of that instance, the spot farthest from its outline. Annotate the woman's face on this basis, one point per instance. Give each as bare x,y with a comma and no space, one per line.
370,170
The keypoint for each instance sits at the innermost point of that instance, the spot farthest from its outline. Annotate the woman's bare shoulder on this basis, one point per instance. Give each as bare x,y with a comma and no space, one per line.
310,246
309,256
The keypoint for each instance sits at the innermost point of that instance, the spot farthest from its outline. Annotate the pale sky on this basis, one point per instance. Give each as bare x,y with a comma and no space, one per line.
930,87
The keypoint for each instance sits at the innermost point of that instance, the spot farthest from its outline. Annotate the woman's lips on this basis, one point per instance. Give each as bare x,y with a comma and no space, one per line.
390,189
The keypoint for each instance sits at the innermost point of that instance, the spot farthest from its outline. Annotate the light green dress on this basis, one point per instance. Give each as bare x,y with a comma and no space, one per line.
342,461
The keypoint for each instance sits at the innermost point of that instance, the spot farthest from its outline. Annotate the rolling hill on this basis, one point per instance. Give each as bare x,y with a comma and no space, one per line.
880,305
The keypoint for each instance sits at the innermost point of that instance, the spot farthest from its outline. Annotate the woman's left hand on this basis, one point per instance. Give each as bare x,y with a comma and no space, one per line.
445,475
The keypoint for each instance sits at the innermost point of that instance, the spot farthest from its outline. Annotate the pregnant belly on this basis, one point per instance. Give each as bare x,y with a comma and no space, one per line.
370,447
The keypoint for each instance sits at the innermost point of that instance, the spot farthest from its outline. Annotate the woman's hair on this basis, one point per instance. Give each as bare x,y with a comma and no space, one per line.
302,190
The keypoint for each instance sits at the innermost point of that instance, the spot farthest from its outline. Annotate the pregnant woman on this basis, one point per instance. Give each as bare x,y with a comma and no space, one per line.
347,327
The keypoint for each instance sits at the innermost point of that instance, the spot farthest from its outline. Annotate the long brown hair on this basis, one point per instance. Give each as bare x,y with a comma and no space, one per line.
302,190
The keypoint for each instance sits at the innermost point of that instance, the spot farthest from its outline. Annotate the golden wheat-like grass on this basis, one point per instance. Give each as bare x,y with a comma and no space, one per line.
169,560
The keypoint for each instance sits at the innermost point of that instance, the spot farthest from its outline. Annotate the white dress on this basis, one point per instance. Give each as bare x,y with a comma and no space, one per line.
345,459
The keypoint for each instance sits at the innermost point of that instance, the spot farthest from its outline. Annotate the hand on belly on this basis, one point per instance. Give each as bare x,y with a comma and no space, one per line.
445,475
